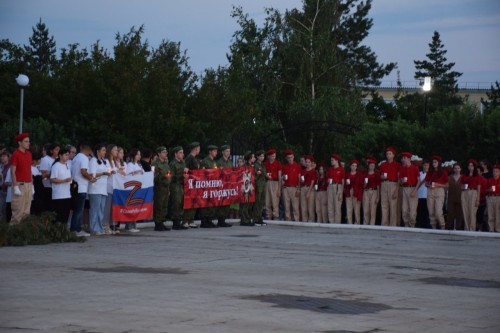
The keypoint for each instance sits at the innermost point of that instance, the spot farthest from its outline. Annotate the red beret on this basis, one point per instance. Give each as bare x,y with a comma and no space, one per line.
22,136
371,160
354,162
406,154
288,152
309,157
336,156
496,166
391,150
271,151
473,161
437,158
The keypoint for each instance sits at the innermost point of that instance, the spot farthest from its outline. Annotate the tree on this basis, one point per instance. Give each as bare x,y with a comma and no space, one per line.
41,51
493,97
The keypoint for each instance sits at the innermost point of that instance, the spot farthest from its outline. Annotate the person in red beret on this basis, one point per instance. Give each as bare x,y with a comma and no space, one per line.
409,181
353,193
436,182
371,192
321,197
273,186
308,179
471,188
455,216
22,181
335,178
389,189
493,200
291,187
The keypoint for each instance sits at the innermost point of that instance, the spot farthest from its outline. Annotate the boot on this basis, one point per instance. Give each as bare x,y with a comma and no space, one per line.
221,223
159,226
177,225
204,223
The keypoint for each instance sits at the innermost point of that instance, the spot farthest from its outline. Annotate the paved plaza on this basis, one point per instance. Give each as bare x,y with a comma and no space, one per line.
277,278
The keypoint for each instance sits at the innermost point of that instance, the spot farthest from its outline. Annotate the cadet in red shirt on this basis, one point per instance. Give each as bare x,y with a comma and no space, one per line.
493,200
273,185
389,189
471,189
291,187
371,193
436,182
22,181
321,197
308,179
335,178
353,193
409,181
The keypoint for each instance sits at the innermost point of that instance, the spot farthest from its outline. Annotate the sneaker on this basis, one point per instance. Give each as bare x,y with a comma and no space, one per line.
108,231
99,233
82,234
193,225
134,230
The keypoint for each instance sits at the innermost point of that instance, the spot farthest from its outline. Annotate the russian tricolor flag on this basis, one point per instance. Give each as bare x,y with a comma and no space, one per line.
133,197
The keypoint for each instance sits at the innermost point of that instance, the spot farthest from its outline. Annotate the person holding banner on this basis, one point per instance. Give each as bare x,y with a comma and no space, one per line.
162,179
208,163
134,167
224,162
246,206
260,188
191,164
178,173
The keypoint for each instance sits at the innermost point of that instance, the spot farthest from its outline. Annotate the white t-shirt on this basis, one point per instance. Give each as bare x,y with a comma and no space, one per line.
109,187
101,185
35,171
81,161
60,190
422,191
45,165
132,167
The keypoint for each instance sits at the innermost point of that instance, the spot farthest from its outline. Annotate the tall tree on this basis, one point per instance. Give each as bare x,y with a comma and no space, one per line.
41,51
493,95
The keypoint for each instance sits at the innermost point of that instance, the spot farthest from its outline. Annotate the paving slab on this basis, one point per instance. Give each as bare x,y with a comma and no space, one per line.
284,277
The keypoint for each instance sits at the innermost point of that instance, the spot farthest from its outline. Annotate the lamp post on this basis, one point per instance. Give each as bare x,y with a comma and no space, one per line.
426,88
22,80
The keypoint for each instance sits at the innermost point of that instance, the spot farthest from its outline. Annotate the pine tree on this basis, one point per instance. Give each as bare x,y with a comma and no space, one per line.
41,51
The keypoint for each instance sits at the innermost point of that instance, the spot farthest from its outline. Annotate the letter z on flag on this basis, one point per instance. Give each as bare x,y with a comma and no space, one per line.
132,197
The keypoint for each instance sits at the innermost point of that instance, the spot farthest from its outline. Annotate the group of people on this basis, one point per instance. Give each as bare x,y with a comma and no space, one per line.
66,182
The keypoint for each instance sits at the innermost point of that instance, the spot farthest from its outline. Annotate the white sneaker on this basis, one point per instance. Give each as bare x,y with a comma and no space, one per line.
82,234
134,230
193,225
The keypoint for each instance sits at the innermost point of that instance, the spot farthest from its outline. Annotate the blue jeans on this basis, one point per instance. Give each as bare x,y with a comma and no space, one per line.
76,220
97,205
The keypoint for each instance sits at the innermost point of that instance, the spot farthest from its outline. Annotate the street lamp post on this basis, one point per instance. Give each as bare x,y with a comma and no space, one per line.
426,88
22,80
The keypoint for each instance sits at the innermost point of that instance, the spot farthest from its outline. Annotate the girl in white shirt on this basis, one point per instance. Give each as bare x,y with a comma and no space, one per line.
60,177
134,167
111,156
99,169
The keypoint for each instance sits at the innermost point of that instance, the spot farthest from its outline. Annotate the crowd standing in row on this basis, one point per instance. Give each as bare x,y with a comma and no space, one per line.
66,183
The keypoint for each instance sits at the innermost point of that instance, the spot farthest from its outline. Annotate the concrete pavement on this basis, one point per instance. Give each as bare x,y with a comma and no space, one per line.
278,278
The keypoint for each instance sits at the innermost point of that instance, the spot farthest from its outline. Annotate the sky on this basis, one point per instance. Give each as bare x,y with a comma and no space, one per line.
401,32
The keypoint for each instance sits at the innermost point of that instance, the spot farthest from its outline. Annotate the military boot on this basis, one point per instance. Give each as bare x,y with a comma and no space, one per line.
177,225
221,223
159,226
204,223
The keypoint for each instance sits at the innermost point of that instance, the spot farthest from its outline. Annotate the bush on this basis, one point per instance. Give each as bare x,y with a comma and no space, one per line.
36,230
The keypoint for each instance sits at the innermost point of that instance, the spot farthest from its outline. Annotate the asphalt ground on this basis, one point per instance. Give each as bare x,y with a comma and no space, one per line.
283,277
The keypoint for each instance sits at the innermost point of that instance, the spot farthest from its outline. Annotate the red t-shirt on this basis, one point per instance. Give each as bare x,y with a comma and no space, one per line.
273,168
373,179
392,170
292,172
322,184
471,181
496,183
411,173
434,177
356,183
335,174
310,177
22,161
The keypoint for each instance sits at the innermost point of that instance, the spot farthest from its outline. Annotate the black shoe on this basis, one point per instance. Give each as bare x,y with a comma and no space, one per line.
178,226
161,227
205,223
248,224
221,223
261,223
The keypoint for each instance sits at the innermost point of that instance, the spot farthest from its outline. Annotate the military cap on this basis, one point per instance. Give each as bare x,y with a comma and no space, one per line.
336,157
391,150
438,158
309,157
212,147
160,149
406,154
194,144
473,161
354,162
288,152
371,160
176,149
22,136
224,147
271,151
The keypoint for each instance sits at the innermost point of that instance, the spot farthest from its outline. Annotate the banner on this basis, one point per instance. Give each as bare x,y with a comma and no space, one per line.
132,197
219,187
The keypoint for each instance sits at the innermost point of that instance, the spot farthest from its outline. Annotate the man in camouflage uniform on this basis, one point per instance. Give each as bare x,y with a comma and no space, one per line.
192,164
260,188
224,162
208,163
162,178
178,170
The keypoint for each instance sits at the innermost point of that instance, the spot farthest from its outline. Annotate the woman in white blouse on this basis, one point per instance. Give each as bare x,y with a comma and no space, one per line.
99,169
60,178
111,156
134,167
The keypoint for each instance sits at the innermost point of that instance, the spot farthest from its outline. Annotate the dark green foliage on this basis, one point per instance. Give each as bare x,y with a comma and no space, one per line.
36,230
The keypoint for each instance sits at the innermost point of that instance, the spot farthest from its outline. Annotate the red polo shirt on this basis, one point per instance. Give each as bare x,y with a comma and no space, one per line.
355,183
322,184
392,170
310,177
373,179
335,174
496,183
293,172
273,168
22,161
412,174
434,177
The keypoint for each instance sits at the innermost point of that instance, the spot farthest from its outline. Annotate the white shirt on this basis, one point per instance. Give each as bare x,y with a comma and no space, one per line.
422,191
132,167
35,171
45,165
81,161
101,185
60,190
109,187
